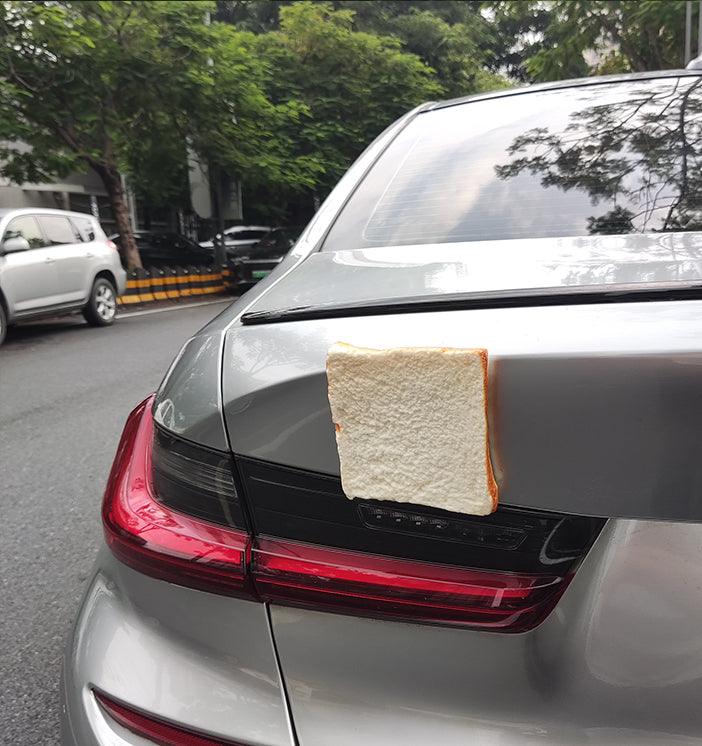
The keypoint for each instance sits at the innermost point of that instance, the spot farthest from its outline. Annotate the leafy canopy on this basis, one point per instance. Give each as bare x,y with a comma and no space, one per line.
348,85
573,38
124,86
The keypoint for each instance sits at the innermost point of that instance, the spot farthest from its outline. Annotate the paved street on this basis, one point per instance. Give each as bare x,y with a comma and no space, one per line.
65,391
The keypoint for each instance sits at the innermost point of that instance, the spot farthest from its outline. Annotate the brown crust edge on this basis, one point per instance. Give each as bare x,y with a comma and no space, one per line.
493,489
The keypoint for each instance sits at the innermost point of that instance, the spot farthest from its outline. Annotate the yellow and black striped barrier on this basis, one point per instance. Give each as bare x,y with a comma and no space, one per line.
138,287
170,280
173,283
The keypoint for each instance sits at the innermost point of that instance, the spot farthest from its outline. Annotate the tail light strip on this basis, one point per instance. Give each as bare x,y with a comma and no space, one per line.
289,572
155,539
158,731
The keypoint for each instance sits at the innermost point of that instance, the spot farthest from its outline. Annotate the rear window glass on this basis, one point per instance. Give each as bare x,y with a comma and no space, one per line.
58,230
602,159
246,235
85,228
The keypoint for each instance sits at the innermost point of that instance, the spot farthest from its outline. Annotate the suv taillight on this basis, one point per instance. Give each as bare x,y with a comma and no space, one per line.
172,510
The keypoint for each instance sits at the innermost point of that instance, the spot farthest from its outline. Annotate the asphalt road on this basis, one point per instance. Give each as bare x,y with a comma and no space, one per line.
65,391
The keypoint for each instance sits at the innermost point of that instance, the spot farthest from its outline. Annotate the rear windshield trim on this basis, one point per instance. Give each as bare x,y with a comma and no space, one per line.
530,298
559,85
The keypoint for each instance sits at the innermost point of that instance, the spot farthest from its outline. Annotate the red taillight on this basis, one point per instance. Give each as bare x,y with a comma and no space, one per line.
112,245
292,572
145,531
155,730
150,537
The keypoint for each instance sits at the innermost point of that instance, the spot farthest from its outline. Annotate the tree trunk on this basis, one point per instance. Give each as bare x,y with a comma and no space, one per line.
112,180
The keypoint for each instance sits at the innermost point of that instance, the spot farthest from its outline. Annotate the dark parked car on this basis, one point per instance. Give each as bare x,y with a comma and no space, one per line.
253,263
166,249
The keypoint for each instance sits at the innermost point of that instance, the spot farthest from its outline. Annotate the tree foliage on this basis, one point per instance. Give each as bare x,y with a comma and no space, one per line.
282,95
124,87
573,38
348,85
454,38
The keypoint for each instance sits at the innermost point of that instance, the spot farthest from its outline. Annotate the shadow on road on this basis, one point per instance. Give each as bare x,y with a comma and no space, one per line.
37,331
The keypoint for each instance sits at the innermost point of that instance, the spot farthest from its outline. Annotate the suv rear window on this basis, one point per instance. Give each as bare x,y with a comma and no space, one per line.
602,159
58,230
85,228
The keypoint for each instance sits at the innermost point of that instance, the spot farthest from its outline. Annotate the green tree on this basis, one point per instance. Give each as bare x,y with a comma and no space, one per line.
573,38
346,85
124,88
517,35
453,37
458,52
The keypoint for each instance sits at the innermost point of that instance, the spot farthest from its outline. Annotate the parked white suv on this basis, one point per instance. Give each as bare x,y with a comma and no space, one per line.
54,262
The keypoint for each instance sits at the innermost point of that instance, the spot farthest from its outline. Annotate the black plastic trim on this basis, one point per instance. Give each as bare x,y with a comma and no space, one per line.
290,503
584,295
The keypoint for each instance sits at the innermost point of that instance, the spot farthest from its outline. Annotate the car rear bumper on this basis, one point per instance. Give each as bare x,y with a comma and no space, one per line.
197,660
617,662
121,277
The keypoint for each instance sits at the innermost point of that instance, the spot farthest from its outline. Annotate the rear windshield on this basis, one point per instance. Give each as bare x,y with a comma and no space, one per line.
603,159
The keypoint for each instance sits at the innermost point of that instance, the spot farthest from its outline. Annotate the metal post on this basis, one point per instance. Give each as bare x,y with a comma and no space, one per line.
688,32
220,249
699,28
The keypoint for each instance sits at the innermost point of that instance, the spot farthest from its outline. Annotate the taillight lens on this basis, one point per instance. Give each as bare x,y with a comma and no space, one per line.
172,510
145,531
112,245
154,729
291,572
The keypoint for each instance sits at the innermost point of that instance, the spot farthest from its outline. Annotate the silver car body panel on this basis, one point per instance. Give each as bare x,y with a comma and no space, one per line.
594,409
553,264
615,663
186,656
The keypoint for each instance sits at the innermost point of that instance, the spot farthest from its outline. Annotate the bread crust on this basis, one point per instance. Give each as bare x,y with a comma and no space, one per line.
492,482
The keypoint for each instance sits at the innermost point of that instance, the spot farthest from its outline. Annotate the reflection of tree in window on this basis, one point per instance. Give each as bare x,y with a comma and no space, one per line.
640,158
25,227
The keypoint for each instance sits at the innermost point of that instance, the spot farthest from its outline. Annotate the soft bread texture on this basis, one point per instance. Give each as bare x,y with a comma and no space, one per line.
411,425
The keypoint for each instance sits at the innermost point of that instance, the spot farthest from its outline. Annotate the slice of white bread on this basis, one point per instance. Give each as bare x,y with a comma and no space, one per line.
411,425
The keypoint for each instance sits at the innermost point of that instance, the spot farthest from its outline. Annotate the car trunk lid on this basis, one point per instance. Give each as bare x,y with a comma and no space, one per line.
524,272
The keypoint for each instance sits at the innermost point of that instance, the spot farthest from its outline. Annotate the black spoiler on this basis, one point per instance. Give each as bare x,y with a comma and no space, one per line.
529,298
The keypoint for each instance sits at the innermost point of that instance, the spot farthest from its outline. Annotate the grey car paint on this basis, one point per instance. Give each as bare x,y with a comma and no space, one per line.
616,662
380,274
189,401
594,409
613,664
183,655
